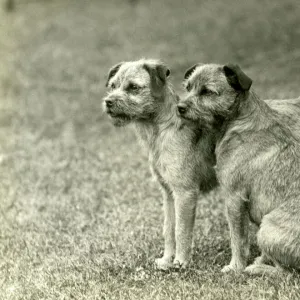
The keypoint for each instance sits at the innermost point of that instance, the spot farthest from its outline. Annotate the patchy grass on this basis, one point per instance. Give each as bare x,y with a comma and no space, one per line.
80,216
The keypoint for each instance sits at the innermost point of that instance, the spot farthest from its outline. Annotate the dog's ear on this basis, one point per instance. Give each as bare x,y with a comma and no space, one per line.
163,72
189,71
237,78
158,71
112,72
158,75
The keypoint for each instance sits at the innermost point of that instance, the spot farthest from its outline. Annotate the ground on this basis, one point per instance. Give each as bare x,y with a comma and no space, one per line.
80,217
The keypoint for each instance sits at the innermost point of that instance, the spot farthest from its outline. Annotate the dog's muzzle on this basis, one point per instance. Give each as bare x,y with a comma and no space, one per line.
109,103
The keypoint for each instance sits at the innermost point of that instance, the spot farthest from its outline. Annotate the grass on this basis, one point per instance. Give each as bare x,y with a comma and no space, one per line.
80,216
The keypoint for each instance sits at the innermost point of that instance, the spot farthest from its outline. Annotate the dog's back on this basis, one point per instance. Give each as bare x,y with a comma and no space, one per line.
289,110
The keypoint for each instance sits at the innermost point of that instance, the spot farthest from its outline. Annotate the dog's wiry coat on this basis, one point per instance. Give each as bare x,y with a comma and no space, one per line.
181,157
258,163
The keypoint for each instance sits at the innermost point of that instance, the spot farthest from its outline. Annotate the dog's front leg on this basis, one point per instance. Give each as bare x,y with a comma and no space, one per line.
238,221
169,229
185,210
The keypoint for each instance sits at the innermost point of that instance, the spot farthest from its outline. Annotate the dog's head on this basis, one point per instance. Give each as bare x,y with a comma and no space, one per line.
135,90
212,91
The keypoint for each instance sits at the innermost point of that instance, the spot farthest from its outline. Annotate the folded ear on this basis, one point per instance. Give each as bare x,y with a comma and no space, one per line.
189,71
112,72
158,75
237,78
163,72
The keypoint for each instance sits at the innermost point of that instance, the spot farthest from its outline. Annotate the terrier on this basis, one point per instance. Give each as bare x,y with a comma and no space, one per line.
257,163
181,158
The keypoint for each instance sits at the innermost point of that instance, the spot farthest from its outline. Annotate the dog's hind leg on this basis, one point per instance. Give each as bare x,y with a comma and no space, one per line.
263,269
262,265
279,239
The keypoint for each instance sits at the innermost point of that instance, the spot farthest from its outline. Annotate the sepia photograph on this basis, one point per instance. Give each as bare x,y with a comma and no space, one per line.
149,150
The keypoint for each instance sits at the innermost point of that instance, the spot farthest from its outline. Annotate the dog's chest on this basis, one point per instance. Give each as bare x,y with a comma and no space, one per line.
231,159
171,153
168,156
167,152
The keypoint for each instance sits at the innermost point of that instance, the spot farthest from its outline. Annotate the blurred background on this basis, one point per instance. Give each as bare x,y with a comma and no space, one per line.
79,214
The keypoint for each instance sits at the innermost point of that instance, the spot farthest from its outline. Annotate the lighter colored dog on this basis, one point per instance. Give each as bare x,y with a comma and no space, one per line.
258,163
181,158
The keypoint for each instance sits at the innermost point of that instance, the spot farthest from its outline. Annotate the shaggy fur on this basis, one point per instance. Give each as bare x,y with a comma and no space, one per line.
258,163
181,157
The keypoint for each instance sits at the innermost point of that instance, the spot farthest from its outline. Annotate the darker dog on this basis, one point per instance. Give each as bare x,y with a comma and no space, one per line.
258,162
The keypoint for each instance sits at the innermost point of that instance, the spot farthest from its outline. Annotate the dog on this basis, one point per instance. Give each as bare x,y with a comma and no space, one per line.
257,163
181,158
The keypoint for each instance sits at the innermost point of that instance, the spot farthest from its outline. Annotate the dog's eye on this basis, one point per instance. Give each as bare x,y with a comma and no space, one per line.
188,87
206,92
112,86
133,87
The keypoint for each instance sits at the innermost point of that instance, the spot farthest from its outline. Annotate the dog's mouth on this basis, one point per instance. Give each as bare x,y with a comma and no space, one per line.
119,119
119,116
186,119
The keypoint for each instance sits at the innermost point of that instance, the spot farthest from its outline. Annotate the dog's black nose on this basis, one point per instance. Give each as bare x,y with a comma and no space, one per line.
109,103
181,108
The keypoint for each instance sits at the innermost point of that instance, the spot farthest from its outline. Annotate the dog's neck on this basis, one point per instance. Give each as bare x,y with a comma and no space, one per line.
165,118
255,108
166,113
248,112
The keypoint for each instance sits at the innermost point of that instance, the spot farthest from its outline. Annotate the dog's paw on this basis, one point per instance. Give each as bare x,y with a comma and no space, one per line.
227,269
178,264
163,263
262,269
252,269
232,268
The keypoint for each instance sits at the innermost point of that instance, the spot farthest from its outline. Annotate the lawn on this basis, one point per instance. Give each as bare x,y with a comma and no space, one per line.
80,216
